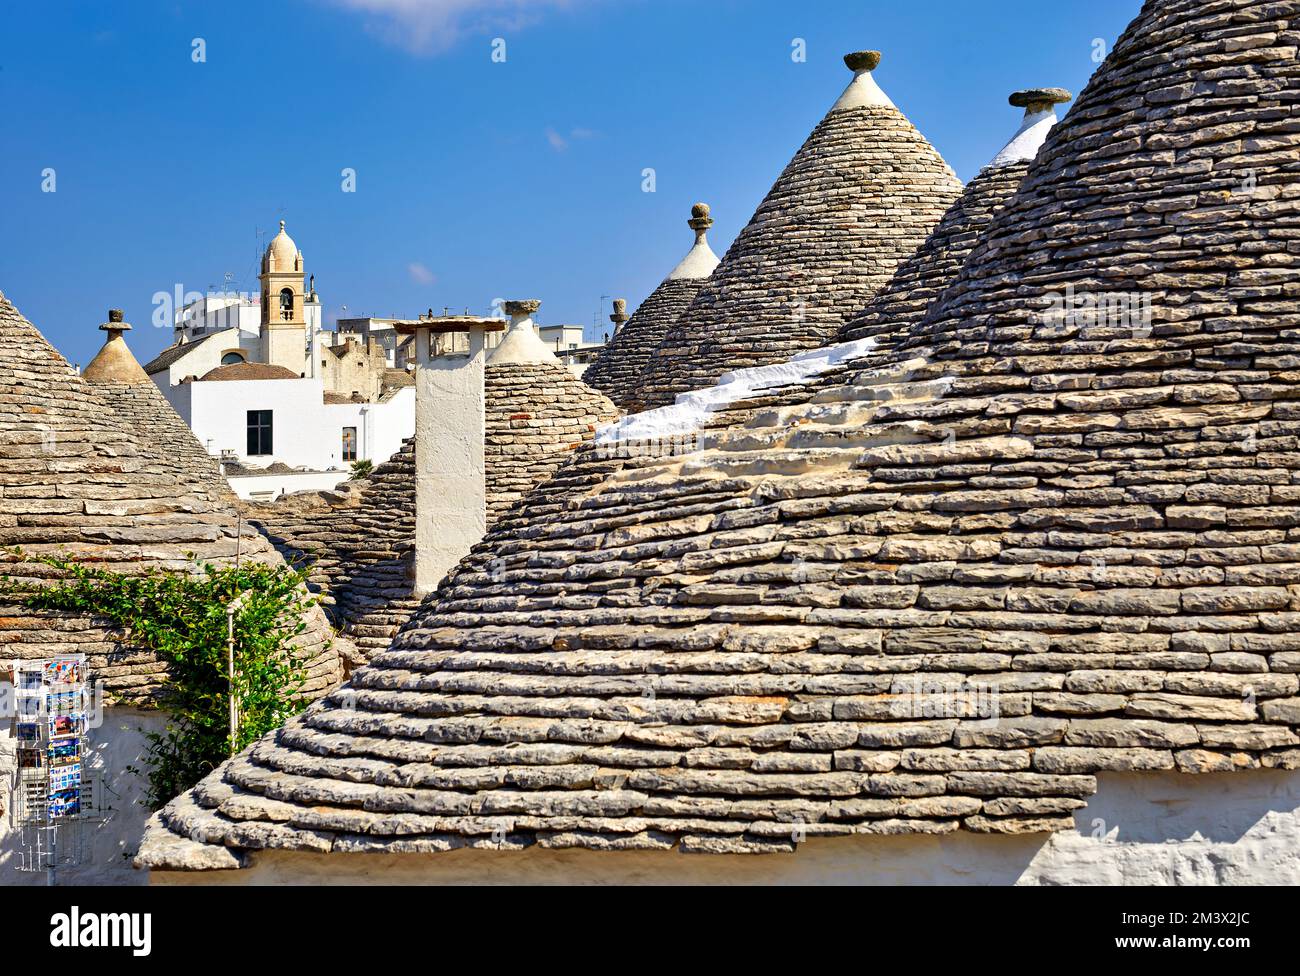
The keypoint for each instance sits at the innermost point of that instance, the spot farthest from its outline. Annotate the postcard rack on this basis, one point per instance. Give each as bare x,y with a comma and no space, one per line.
55,799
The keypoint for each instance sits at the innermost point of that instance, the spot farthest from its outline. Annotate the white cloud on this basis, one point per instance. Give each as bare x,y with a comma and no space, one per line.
420,274
557,141
435,25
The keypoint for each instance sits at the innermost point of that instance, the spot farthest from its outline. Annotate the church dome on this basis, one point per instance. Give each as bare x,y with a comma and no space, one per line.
281,253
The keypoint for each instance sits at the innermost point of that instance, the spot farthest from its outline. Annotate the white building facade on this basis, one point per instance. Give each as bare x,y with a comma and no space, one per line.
254,377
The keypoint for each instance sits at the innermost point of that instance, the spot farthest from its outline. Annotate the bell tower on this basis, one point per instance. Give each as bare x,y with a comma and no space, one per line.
284,323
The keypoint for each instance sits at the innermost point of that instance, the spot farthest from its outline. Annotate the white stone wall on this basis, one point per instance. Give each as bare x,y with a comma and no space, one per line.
218,415
109,846
381,427
1140,828
268,487
450,471
307,432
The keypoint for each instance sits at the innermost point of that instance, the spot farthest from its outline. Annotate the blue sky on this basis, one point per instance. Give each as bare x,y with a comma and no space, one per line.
475,179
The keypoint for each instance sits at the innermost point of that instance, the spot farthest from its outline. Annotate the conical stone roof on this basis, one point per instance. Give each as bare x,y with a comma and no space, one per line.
857,199
162,436
922,277
104,470
1017,552
617,370
867,337
358,542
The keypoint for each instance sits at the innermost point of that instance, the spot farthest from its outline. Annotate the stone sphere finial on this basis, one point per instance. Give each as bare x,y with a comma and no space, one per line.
862,60
700,219
522,306
1039,97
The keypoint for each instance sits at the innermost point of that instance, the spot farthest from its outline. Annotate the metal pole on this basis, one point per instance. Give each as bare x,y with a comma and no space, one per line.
51,829
232,608
230,672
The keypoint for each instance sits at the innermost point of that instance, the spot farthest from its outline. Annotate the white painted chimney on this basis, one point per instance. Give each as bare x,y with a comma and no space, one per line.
450,486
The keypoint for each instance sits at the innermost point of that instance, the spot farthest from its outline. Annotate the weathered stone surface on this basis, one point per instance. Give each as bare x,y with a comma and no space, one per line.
859,197
618,368
1129,733
1176,707
1073,760
1015,605
358,544
100,469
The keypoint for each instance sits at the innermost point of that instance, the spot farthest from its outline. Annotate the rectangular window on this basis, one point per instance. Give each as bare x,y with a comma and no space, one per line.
349,443
259,432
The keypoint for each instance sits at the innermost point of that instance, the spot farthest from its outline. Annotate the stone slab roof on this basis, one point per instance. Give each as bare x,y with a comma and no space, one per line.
857,199
109,474
1016,550
249,371
921,278
358,542
538,414
618,368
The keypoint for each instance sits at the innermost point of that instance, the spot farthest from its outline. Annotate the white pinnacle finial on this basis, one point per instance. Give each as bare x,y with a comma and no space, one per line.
1040,115
862,92
521,343
700,259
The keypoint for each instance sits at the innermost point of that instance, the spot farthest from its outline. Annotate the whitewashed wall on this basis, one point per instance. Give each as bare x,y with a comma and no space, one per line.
108,847
268,487
217,412
381,427
307,432
1140,828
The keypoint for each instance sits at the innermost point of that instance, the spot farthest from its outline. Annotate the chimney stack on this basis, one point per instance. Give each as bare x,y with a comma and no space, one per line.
862,91
450,419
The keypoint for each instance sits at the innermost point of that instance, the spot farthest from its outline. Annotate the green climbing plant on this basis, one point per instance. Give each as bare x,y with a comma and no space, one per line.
182,617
